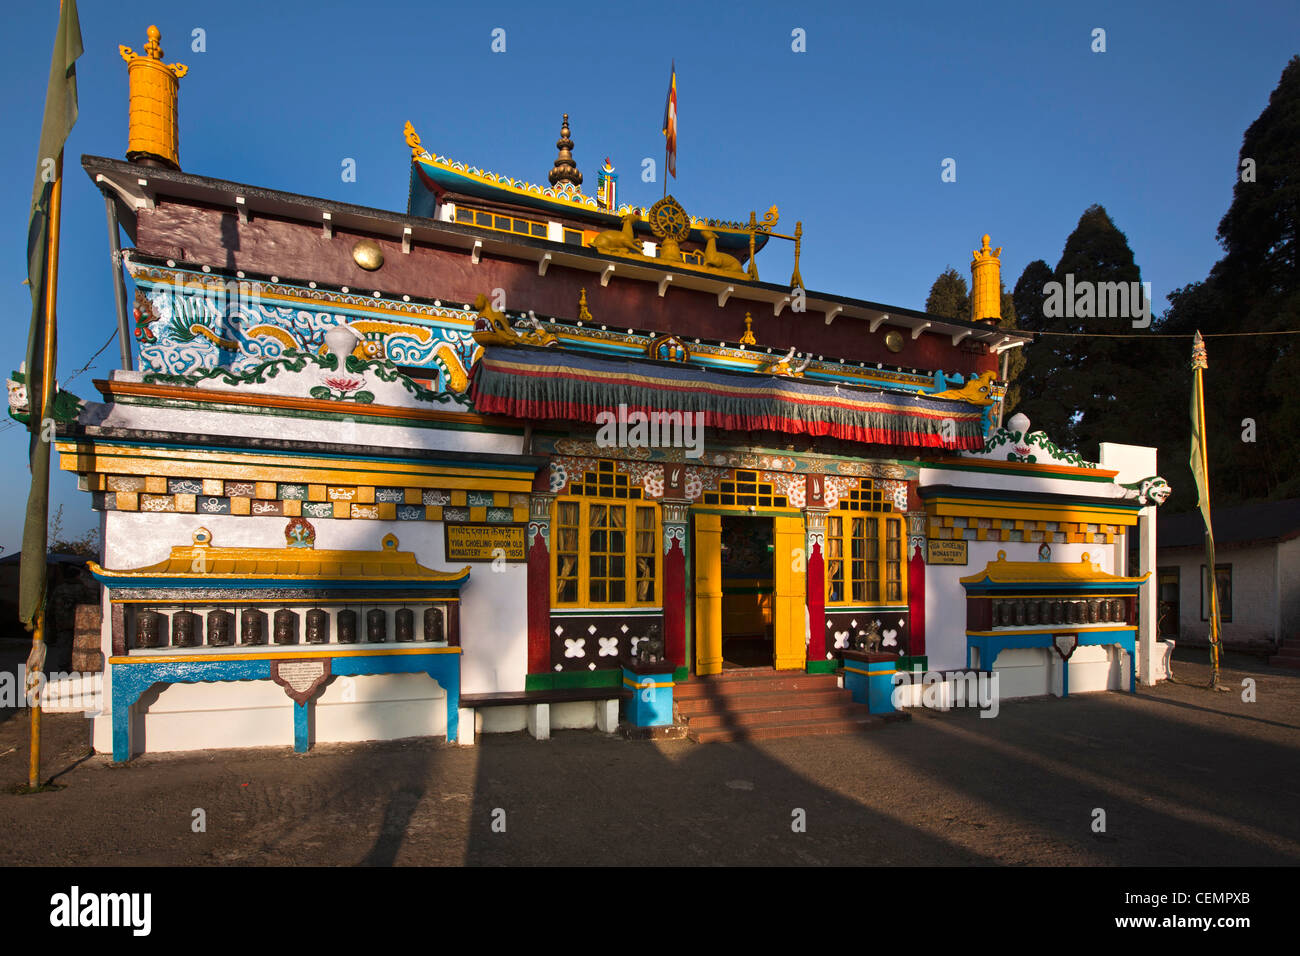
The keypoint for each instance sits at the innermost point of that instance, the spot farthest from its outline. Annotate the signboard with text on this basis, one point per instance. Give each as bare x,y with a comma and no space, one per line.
476,541
947,552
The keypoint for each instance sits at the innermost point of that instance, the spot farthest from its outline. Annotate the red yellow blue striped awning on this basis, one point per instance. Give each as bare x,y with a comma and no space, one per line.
542,384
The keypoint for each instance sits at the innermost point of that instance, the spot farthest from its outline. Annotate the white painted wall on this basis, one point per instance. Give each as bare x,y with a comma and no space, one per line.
1254,591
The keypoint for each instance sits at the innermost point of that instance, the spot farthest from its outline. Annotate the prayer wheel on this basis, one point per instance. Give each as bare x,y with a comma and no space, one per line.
187,629
286,626
347,626
221,628
433,625
404,624
376,626
252,626
318,626
148,628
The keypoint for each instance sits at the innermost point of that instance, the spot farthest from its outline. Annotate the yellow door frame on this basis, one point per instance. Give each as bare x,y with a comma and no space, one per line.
708,594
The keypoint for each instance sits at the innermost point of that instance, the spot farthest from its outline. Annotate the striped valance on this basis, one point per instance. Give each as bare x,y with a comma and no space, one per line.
544,384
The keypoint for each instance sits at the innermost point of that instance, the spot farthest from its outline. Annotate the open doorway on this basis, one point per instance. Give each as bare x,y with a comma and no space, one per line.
748,590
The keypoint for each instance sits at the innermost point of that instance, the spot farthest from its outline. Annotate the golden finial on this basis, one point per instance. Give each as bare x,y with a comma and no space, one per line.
584,315
748,337
413,140
986,283
152,136
565,169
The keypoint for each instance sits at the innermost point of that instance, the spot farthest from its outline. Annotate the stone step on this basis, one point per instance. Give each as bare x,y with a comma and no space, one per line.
777,715
749,682
798,728
760,701
1277,660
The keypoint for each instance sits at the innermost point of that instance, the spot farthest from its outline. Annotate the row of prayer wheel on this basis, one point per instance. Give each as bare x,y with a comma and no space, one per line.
187,627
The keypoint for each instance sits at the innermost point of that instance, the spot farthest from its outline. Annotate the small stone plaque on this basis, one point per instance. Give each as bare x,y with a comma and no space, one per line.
481,499
410,512
293,492
435,497
318,509
212,505
396,495
301,678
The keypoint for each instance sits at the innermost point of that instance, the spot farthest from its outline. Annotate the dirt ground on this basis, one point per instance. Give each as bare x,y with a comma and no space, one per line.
1184,776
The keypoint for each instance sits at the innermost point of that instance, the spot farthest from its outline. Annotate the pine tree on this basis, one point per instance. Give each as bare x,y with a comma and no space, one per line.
949,296
1044,363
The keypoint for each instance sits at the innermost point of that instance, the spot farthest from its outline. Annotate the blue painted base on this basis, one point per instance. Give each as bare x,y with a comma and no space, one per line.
871,684
651,703
133,676
990,646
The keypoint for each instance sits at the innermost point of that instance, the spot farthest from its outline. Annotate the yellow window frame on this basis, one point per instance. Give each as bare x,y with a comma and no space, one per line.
631,554
889,530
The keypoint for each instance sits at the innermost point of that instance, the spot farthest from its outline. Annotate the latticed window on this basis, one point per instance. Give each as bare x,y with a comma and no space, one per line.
491,220
605,542
746,489
864,549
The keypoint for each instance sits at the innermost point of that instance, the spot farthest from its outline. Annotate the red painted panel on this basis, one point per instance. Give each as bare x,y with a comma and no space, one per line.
539,606
675,604
816,579
916,602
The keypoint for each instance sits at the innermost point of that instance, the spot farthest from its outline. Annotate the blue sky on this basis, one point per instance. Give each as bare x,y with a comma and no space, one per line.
848,136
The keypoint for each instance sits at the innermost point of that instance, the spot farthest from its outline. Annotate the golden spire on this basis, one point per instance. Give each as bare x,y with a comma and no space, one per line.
152,137
748,337
565,169
986,283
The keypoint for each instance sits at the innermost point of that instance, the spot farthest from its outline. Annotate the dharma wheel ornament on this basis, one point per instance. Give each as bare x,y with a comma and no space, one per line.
668,221
433,625
252,626
376,626
318,626
286,626
347,626
186,629
405,624
148,627
221,628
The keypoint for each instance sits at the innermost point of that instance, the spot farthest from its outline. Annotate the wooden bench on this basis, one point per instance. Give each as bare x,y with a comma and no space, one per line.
537,704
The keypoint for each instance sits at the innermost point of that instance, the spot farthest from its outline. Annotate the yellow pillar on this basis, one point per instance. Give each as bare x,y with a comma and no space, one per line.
789,616
708,594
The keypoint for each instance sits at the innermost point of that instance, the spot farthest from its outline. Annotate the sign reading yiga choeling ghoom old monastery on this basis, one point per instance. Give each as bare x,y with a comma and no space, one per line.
379,445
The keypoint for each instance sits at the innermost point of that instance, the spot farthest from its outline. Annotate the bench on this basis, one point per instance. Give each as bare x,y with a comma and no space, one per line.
538,707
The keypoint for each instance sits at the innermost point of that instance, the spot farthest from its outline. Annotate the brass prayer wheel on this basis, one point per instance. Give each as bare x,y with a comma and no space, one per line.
347,626
433,625
252,626
405,624
187,630
221,628
318,626
148,627
376,626
286,626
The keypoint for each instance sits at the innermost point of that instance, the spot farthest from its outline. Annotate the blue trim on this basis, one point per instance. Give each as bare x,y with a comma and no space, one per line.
132,680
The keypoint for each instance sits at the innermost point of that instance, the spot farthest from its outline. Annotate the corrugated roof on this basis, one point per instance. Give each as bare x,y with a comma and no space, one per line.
1260,521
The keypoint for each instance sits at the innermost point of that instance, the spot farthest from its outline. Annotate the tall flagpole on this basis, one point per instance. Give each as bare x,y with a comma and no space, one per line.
36,662
1199,364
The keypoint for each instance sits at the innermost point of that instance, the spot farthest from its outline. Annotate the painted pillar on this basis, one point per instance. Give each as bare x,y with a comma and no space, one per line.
1148,598
916,545
673,516
815,543
539,584
789,604
708,594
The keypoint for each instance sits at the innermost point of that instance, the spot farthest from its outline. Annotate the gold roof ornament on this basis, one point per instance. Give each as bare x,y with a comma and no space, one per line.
201,561
986,283
492,327
152,136
584,314
565,169
748,337
1083,571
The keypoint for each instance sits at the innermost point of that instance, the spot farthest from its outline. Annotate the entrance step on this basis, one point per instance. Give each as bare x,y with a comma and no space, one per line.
762,704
